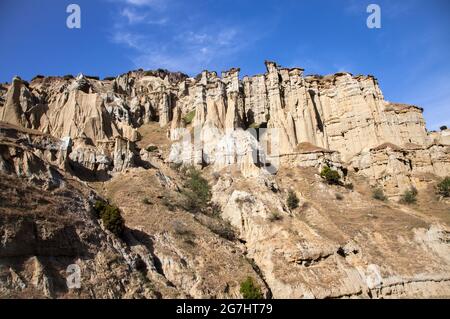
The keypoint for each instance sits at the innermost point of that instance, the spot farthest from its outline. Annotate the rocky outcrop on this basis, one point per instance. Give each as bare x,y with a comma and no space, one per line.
333,248
257,140
396,168
48,230
340,112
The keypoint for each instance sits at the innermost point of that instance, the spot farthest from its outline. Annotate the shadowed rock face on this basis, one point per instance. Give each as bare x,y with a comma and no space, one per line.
67,141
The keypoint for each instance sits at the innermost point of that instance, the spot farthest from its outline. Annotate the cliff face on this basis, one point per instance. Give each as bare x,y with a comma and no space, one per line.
255,138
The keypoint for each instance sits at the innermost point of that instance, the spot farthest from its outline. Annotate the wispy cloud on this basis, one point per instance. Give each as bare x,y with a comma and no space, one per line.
189,51
129,39
134,16
181,45
146,3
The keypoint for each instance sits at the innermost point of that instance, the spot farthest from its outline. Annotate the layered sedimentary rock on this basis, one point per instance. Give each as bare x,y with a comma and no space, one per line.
257,140
348,248
259,121
397,168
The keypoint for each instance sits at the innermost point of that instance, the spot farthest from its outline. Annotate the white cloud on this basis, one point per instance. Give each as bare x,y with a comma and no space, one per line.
184,44
189,52
148,3
129,39
133,17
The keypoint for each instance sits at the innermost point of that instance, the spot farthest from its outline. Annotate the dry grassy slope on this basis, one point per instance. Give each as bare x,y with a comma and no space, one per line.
45,229
316,250
191,256
43,232
398,239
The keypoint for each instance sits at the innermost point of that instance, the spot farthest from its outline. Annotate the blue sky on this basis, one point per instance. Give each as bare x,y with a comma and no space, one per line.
409,55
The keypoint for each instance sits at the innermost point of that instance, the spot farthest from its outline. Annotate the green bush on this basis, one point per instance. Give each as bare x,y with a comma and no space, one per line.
189,117
250,290
198,192
111,217
331,176
409,196
292,200
99,206
444,187
379,194
152,148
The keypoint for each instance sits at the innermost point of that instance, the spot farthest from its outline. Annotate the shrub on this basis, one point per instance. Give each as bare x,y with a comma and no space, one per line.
250,290
99,206
152,148
443,128
331,176
223,229
292,200
169,203
339,196
444,187
349,186
189,117
409,196
198,192
111,217
175,166
275,216
379,194
146,201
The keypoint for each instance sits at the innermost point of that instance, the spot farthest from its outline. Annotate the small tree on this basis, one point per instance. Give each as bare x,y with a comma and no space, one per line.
111,217
292,200
444,187
443,128
189,117
250,290
197,192
331,176
379,194
409,196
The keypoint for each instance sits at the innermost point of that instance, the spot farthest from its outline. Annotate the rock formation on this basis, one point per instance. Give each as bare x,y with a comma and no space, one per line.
66,142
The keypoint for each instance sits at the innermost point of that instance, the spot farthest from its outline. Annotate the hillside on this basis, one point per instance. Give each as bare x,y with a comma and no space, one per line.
219,179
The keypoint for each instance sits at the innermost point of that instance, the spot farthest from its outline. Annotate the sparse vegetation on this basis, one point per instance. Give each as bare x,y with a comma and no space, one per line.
175,166
242,200
331,176
409,196
189,117
250,290
223,229
197,192
292,200
169,203
378,194
339,196
275,216
152,148
147,201
349,186
181,229
444,187
111,217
